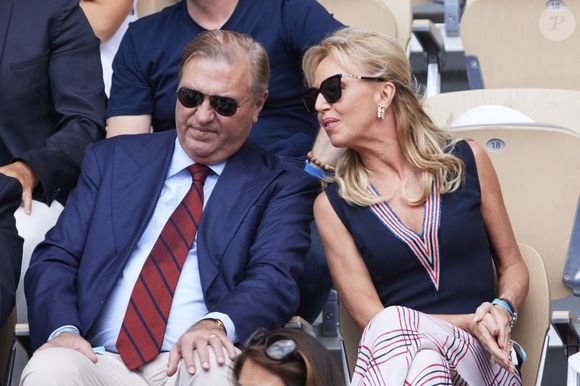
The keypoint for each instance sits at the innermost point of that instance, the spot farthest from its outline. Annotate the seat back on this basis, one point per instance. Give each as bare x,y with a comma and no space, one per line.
533,43
147,7
538,169
549,106
530,331
533,316
390,17
32,228
351,335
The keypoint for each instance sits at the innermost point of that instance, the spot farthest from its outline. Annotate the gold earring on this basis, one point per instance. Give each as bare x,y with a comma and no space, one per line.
380,111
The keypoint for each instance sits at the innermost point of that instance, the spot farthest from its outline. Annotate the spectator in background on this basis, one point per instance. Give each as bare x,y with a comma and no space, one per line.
409,224
51,95
10,245
145,81
145,68
285,357
51,106
109,20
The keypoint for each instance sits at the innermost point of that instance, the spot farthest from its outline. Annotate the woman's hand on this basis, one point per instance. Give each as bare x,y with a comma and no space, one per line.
491,326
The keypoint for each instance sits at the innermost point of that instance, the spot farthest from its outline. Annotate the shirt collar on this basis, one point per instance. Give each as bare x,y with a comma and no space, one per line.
181,160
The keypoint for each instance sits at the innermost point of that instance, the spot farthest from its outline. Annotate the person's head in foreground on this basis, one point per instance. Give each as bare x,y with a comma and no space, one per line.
285,357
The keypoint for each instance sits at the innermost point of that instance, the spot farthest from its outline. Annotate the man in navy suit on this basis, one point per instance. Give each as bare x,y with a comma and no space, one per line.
240,273
52,102
52,105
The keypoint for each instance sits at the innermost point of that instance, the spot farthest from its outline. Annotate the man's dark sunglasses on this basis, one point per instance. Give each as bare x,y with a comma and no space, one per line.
222,105
330,88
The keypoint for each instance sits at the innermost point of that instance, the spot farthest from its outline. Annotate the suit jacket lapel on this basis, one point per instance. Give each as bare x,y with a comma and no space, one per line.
5,12
238,188
137,181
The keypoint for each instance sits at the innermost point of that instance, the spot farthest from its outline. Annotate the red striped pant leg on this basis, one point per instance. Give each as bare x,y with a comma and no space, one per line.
393,338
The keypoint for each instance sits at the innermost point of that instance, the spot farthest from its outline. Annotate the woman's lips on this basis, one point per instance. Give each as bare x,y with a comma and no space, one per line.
329,123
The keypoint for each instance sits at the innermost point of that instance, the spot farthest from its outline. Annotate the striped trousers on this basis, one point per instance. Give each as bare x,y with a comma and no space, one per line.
401,346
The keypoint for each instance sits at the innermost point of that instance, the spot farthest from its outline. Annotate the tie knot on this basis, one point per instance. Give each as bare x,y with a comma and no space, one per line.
199,172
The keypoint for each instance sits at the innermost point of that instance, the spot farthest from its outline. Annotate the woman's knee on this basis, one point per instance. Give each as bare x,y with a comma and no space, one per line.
393,315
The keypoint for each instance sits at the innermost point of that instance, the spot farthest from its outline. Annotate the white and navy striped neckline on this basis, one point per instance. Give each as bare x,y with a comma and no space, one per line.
425,246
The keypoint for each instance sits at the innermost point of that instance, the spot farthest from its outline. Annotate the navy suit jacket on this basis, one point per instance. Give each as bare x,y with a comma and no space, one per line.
252,237
10,244
52,100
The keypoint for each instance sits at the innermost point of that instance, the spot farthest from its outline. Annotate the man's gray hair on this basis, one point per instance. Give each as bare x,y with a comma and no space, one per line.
227,46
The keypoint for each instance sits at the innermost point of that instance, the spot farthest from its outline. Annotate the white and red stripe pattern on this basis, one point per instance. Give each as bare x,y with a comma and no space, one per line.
401,346
425,246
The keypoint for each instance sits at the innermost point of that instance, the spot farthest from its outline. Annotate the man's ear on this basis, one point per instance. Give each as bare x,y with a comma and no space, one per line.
260,105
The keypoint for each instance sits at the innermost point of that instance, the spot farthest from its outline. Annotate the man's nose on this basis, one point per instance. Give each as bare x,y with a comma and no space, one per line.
204,112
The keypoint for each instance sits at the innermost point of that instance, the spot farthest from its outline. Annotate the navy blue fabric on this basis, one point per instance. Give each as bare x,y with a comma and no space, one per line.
465,256
250,241
146,67
52,100
10,244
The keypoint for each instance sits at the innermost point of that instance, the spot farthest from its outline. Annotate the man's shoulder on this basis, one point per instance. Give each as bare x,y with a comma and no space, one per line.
135,142
263,161
42,12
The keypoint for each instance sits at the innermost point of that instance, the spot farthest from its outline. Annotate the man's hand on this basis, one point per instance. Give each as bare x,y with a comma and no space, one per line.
23,173
73,342
199,337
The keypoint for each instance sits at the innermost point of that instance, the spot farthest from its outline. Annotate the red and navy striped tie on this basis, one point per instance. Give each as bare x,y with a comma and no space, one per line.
141,335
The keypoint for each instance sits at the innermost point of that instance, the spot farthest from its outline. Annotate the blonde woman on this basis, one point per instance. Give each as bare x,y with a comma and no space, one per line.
408,223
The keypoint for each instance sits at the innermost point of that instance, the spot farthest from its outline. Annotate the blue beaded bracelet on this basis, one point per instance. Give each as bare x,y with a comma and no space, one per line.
504,304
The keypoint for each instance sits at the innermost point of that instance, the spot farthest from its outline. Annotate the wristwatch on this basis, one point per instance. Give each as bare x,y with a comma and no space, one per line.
219,323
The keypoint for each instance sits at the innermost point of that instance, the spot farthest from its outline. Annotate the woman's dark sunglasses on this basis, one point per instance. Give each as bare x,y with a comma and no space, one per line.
276,347
222,105
330,88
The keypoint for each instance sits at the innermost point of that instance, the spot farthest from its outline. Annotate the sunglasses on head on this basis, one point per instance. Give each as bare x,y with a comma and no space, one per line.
277,347
222,105
330,88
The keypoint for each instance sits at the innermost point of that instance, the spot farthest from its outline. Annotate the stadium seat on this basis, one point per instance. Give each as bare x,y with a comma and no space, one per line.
523,43
391,17
538,170
530,331
554,107
32,228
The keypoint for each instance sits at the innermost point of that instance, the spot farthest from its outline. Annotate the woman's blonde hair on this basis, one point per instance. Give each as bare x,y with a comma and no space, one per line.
424,145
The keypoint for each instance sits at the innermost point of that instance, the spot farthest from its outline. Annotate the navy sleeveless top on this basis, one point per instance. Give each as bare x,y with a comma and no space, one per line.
445,270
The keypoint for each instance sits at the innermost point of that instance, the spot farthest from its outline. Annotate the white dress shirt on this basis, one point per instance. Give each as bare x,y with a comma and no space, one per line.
188,305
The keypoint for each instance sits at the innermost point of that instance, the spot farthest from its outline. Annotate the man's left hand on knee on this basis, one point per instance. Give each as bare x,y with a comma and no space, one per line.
200,337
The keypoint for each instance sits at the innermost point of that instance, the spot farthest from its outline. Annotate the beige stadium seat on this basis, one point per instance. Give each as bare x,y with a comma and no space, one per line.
530,331
547,106
538,169
391,17
524,43
147,7
534,317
